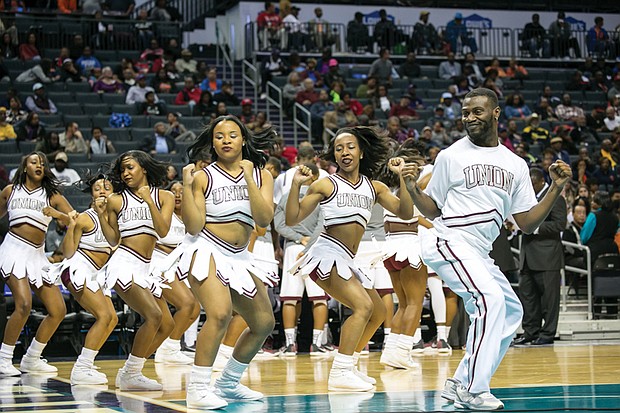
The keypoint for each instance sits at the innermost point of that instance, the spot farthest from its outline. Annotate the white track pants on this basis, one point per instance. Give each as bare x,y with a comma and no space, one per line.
494,309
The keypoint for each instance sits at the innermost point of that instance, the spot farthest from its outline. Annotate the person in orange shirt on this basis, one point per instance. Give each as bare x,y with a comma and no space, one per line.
67,6
515,70
496,65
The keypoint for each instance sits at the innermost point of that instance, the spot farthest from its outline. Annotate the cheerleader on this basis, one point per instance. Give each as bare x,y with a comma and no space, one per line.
178,293
346,200
223,203
86,251
31,201
408,274
137,214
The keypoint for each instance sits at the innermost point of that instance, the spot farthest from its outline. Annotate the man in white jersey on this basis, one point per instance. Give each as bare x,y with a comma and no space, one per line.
476,184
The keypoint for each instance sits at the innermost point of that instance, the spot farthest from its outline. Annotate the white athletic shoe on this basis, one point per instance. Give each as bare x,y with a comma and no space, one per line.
82,375
7,369
398,358
345,380
364,377
220,362
136,381
202,396
174,356
449,389
36,365
481,401
236,392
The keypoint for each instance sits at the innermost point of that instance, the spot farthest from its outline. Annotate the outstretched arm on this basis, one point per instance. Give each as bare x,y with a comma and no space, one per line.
422,201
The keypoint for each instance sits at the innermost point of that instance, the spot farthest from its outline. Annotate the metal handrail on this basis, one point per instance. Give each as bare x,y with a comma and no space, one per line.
227,61
246,66
276,102
299,123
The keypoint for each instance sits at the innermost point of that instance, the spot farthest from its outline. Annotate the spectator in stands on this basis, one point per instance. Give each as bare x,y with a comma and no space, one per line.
534,38
153,52
119,7
15,114
395,129
450,68
159,12
416,102
382,68
176,130
335,91
494,83
107,83
247,115
87,61
358,38
504,139
462,84
220,110
386,33
495,64
410,68
600,82
271,66
227,95
334,74
72,139
439,135
582,170
290,91
383,100
323,63
190,94
353,104
559,153
75,49
317,112
129,77
596,118
91,6
320,31
31,129
574,257
581,133
425,38
605,175
150,107
186,65
261,123
458,131
162,83
551,97
205,107
513,132
477,68
426,138
298,38
403,111
67,176
42,72
516,108
452,108
6,129
269,27
566,111
159,142
599,42
578,82
30,51
533,132
70,73
39,102
311,73
100,144
561,38
339,118
8,48
516,71
612,121
455,30
308,95
439,116
137,93
607,151
615,89
522,150
368,88
144,28
544,110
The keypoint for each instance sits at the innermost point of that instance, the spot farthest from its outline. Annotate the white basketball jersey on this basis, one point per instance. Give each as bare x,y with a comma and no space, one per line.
25,207
476,188
176,233
348,202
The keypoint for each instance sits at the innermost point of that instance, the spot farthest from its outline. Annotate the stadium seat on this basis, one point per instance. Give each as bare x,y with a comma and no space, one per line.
69,108
9,147
102,120
113,98
87,97
96,109
79,87
124,108
118,134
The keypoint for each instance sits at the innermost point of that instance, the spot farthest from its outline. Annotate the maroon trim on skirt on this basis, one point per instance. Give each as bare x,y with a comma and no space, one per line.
384,291
392,265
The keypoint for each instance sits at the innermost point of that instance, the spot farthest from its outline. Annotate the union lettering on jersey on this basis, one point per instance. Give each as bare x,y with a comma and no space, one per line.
230,193
27,203
354,200
488,175
135,213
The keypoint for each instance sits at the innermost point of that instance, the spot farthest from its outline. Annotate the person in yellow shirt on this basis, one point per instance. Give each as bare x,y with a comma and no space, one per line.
6,129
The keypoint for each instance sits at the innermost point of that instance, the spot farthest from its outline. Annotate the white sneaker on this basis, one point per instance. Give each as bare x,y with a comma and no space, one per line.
481,401
398,359
220,362
203,396
36,365
449,389
136,382
7,369
238,392
167,356
345,380
82,375
363,376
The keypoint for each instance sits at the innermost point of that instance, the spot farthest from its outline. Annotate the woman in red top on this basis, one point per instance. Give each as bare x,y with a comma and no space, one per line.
29,50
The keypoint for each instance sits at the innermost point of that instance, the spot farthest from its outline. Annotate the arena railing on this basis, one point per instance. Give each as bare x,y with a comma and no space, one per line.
223,56
582,271
249,75
302,118
274,97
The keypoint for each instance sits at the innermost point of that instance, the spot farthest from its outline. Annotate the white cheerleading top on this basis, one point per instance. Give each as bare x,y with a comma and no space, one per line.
476,188
176,233
25,207
227,198
94,240
391,218
135,216
348,203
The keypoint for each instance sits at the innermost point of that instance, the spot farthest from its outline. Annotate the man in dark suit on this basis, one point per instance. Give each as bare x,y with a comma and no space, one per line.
541,260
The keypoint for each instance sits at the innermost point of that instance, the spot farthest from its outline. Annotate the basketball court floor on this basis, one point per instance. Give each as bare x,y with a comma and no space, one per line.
573,377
